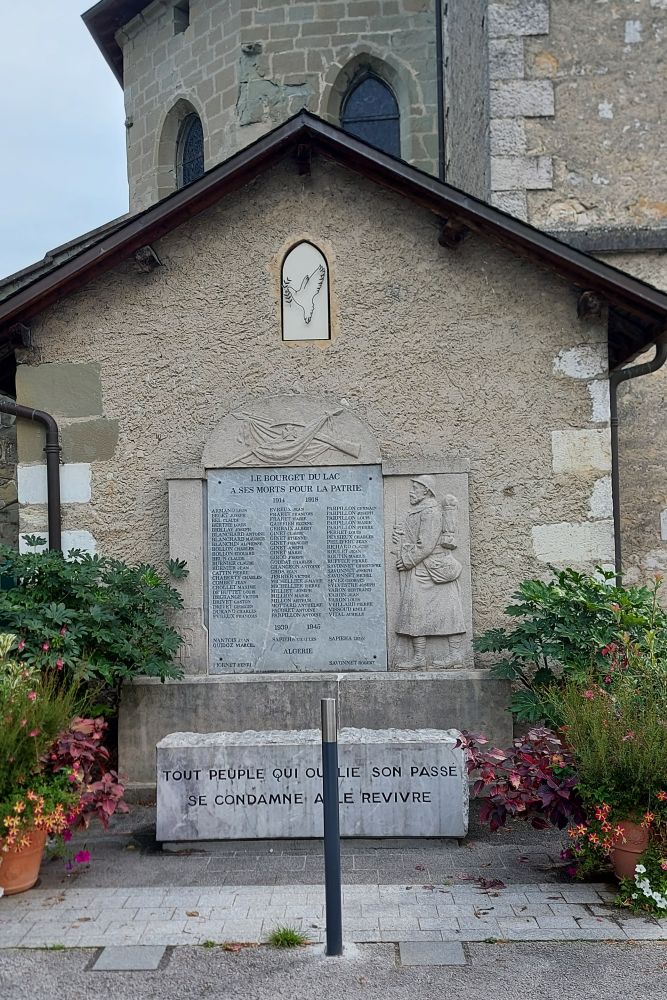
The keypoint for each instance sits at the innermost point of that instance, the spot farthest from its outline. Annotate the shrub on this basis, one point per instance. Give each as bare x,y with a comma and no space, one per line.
90,617
562,629
287,937
534,780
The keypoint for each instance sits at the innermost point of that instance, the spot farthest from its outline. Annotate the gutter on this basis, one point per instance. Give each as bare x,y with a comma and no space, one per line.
615,379
52,449
440,83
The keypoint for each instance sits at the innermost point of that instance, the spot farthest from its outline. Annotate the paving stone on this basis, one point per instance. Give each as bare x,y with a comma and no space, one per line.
427,953
140,958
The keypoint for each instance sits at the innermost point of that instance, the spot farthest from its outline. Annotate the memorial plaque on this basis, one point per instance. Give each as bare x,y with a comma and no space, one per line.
392,783
296,569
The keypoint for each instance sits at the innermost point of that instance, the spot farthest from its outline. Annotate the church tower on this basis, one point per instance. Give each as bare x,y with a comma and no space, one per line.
205,78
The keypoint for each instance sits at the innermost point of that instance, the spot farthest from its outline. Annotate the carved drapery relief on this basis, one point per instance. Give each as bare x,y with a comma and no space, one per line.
290,430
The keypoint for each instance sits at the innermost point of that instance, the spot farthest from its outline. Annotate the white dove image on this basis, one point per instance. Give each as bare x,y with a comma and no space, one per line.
304,296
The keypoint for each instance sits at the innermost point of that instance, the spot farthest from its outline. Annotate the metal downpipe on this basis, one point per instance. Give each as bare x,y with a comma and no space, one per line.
440,83
52,449
615,379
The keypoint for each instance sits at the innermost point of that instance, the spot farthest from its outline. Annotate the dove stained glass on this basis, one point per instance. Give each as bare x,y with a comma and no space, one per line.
370,111
305,294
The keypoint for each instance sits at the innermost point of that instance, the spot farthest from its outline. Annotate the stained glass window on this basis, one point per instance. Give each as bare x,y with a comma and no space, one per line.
190,150
370,111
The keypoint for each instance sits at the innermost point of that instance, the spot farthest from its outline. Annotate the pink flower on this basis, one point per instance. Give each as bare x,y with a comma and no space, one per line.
67,835
630,735
21,645
607,680
82,858
46,647
59,664
32,696
24,722
590,695
34,732
63,629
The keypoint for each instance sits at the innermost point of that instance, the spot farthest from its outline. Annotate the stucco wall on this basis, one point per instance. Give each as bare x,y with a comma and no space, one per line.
472,353
244,67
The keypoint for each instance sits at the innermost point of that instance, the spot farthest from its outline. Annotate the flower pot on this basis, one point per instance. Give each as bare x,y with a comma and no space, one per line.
626,854
19,868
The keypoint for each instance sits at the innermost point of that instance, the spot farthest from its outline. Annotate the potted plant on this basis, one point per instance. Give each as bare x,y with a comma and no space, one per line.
616,732
53,771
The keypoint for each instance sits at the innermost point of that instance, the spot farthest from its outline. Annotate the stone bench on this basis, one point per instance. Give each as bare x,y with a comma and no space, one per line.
265,785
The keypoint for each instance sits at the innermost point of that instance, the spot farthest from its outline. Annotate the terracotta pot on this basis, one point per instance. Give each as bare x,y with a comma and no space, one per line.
625,855
19,869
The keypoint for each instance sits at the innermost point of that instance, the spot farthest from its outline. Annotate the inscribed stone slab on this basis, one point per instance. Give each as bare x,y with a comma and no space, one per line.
393,783
296,569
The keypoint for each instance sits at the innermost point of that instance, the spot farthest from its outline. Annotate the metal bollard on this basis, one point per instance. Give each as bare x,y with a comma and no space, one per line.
334,917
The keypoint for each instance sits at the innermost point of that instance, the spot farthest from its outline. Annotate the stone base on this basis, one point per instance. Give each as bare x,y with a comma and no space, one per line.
452,699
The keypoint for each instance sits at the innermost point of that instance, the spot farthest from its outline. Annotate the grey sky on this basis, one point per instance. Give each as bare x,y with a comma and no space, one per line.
62,169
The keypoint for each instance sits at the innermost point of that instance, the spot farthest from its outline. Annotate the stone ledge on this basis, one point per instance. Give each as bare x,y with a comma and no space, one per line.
455,699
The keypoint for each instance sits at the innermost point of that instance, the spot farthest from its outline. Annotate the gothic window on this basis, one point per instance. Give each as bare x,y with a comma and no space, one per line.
370,111
190,150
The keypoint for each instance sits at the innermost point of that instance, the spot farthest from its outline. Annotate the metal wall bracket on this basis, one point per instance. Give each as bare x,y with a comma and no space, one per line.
452,233
304,154
146,259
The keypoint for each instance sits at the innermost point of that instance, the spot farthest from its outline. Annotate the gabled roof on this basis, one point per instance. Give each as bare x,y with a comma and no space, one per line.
638,311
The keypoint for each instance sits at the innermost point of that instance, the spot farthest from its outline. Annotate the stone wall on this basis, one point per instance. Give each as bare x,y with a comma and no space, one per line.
467,96
9,511
245,66
472,353
642,404
606,65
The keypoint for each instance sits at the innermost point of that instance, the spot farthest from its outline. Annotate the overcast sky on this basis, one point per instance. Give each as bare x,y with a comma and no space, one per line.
62,167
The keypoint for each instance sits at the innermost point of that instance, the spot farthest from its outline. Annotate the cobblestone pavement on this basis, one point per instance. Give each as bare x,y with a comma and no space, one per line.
371,913
504,886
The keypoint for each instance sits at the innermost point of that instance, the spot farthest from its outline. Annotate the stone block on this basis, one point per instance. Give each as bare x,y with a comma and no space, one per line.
583,361
663,524
461,699
531,172
63,388
508,136
599,393
567,543
522,98
519,17
576,451
392,783
506,60
75,483
513,202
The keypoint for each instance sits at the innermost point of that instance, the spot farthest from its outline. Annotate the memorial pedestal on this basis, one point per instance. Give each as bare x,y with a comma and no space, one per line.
457,699
266,785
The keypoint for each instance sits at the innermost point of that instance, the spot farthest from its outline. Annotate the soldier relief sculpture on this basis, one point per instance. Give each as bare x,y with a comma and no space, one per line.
430,594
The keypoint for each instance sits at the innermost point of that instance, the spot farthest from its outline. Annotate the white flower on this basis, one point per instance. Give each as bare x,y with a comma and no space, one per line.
634,895
640,869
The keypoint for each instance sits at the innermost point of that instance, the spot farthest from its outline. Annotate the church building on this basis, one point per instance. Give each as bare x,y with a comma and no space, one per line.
380,337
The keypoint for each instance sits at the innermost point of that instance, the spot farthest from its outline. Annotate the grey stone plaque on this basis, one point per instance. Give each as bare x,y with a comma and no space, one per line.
296,569
392,783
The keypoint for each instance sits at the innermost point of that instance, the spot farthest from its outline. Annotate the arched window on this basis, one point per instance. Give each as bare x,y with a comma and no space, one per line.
189,150
370,111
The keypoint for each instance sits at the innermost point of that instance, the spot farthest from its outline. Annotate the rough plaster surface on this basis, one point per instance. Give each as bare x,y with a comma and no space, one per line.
428,343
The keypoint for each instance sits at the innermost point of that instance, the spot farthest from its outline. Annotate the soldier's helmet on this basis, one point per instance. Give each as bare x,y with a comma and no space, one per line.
427,481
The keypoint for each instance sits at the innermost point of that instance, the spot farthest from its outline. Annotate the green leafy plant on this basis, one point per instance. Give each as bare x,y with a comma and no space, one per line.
287,937
90,617
648,890
563,627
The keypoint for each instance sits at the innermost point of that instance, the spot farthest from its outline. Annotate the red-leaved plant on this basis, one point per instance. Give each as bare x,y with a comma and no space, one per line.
81,750
534,780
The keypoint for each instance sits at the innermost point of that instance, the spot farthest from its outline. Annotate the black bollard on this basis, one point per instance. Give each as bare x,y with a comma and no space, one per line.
334,917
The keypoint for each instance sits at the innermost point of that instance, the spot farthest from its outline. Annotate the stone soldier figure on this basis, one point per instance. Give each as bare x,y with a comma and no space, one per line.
430,594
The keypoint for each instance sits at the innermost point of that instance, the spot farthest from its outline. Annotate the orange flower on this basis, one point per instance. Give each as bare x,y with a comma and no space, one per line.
661,796
648,819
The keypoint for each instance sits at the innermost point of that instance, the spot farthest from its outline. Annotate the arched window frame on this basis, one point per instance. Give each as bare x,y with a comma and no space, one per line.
326,285
189,124
358,81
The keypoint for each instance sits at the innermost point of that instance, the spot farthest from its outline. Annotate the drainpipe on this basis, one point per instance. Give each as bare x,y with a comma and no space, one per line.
52,450
440,83
615,379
